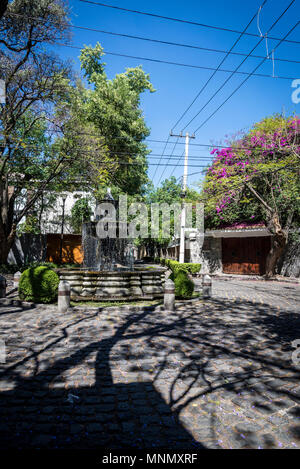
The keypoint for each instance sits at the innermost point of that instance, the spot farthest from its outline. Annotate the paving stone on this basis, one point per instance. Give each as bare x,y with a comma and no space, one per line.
94,427
234,354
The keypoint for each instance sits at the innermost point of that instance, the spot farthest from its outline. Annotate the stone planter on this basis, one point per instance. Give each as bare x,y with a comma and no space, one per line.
93,285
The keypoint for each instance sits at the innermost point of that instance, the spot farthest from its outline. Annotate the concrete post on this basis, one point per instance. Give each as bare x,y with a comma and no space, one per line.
169,296
206,286
63,301
2,286
17,279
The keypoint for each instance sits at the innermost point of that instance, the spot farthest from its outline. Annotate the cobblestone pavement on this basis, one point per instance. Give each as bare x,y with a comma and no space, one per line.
279,294
217,374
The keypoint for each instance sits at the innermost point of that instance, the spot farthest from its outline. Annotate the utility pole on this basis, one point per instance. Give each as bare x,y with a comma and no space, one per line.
183,193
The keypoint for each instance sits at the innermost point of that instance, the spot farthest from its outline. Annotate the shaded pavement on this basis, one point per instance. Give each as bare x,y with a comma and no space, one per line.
217,374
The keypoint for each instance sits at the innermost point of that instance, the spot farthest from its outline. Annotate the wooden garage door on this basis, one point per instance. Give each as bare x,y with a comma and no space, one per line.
245,255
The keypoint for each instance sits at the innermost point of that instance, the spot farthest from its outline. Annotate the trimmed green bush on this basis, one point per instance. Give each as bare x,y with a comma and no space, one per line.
39,284
184,287
34,264
194,268
187,267
175,266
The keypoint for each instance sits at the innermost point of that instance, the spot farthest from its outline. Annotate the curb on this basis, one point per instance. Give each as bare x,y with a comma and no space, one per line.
128,308
99,309
112,309
293,281
14,302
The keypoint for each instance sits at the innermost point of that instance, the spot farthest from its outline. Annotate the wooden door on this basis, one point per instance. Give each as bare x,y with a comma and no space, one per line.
245,255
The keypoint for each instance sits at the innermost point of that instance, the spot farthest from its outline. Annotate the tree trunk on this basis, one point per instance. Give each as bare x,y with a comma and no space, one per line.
278,244
3,7
6,243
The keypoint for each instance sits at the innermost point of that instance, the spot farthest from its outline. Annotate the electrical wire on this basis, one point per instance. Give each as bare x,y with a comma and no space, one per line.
237,68
244,81
180,20
219,67
212,76
179,64
158,41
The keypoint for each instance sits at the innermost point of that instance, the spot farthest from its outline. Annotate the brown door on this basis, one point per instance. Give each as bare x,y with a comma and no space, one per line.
245,255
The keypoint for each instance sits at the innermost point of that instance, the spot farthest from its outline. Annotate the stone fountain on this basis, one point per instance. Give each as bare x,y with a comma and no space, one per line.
108,271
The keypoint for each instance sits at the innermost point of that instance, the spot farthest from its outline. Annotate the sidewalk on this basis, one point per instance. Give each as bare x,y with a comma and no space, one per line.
277,278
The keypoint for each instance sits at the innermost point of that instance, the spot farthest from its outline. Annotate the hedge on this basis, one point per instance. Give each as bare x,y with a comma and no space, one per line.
175,265
184,287
39,284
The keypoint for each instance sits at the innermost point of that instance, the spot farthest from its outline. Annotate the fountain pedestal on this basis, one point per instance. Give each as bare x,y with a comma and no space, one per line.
93,285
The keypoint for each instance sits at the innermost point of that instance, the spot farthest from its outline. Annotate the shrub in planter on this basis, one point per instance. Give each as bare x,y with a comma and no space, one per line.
187,267
184,287
35,264
193,268
38,284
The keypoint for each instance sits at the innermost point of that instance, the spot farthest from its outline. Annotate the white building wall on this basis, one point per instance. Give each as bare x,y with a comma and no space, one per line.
52,218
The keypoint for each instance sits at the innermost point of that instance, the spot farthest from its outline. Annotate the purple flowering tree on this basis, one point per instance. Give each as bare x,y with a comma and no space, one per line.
261,173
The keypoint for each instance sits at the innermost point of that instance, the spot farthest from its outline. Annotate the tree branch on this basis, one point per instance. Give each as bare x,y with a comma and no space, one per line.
269,209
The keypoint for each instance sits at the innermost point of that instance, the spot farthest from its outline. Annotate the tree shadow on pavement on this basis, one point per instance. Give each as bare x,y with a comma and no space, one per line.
41,411
214,374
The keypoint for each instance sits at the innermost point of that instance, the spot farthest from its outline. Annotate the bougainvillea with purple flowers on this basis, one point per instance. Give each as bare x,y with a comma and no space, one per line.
257,178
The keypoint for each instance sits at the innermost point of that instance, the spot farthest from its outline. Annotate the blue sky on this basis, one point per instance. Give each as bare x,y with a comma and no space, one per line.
177,86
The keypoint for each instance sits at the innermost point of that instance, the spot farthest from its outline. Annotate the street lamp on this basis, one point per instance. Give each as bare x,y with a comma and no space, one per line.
62,227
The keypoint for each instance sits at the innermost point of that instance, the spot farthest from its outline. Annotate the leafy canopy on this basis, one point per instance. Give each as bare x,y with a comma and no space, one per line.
257,177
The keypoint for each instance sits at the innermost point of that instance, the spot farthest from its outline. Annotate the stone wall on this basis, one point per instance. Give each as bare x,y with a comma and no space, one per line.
28,248
211,255
289,265
96,285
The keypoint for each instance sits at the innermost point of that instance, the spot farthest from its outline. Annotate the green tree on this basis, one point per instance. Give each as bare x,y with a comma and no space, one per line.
170,192
3,6
81,212
35,80
109,124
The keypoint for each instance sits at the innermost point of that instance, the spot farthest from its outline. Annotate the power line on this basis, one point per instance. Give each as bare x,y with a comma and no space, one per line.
210,78
202,89
180,20
205,145
159,41
244,81
149,156
237,68
168,160
161,156
218,68
179,64
191,174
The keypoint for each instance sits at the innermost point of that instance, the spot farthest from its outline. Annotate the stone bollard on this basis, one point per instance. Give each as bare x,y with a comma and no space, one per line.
63,300
2,286
169,296
17,279
206,287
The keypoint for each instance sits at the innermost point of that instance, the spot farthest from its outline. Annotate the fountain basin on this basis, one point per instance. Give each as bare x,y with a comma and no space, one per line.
114,285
